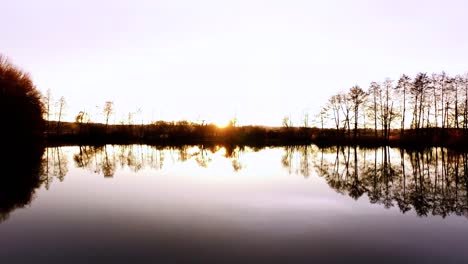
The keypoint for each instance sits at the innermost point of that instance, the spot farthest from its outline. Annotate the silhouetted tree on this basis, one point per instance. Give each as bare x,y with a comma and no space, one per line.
346,109
108,111
375,90
21,105
61,110
323,115
22,111
387,115
403,87
232,122
465,103
82,117
47,101
305,119
334,104
357,97
287,122
449,94
457,83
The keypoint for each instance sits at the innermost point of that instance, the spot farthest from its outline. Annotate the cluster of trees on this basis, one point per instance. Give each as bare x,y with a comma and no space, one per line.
56,110
425,101
419,103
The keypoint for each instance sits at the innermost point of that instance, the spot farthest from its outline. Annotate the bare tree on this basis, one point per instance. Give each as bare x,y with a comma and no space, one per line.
375,90
287,121
305,119
47,102
418,91
334,104
435,86
442,80
346,109
403,87
108,111
62,104
457,83
232,122
357,97
465,103
323,115
387,115
82,117
436,101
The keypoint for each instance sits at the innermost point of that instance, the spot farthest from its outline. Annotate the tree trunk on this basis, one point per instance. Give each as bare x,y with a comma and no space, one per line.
404,113
356,112
456,106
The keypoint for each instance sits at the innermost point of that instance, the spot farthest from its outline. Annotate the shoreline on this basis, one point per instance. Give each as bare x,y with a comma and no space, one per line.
176,134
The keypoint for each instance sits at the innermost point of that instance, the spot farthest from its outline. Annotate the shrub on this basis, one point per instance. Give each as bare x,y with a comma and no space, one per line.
21,107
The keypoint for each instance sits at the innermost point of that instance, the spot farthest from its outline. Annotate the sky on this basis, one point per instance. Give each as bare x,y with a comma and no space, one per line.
214,60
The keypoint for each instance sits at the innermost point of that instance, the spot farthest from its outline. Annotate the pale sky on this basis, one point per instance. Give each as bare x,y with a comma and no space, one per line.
212,60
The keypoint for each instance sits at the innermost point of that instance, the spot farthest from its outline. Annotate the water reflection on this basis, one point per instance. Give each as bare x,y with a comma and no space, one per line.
432,181
236,205
106,160
20,177
54,165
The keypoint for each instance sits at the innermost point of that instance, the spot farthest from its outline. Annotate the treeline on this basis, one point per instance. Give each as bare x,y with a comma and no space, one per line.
178,133
175,133
419,104
427,110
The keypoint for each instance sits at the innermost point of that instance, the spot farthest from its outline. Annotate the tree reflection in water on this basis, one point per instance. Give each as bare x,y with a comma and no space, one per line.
21,176
54,165
433,181
106,160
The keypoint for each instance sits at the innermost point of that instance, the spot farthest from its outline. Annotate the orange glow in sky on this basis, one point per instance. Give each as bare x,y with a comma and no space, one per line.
212,60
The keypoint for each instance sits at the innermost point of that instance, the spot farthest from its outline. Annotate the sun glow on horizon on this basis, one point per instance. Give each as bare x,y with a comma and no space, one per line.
221,125
207,61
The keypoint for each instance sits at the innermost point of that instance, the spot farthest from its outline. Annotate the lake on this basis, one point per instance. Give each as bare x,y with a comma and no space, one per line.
221,204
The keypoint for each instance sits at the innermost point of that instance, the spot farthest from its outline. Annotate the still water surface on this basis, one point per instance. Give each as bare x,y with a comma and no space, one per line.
124,204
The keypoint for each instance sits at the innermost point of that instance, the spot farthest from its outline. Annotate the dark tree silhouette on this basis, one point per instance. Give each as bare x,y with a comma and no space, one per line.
403,86
346,109
20,105
375,90
387,114
357,97
62,104
21,176
20,137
